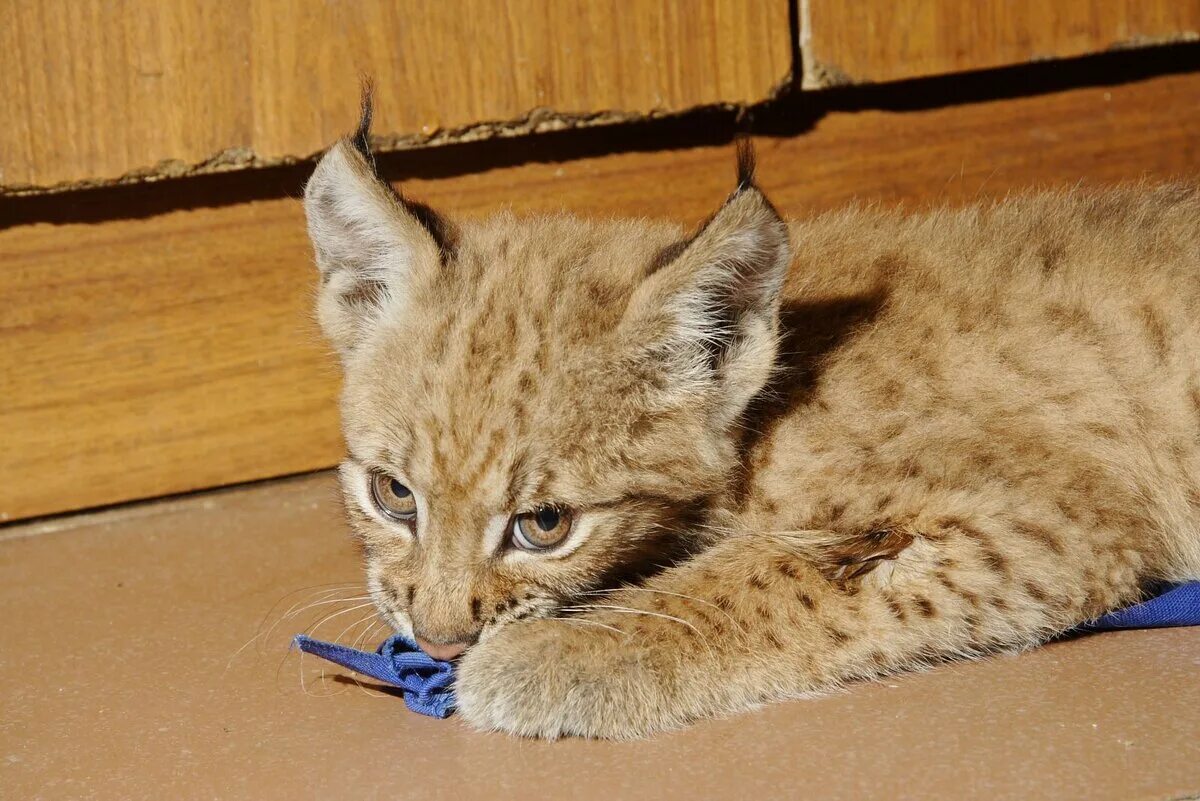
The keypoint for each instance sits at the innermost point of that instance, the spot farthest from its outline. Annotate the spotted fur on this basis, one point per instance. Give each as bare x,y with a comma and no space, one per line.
797,455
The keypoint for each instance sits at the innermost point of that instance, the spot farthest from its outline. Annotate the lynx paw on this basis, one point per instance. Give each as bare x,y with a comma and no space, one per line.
550,678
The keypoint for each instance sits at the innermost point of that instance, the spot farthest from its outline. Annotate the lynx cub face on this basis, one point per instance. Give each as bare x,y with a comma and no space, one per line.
533,408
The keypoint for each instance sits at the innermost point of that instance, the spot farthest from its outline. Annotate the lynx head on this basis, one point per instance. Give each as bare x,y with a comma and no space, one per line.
533,408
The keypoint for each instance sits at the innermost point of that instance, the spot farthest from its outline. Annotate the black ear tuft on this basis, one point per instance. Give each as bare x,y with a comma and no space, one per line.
746,161
442,231
362,136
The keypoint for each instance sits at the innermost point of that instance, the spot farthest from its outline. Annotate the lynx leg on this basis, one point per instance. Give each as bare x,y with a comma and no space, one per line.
760,618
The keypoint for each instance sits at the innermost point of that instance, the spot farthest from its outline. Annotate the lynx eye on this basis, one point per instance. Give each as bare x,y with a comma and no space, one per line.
393,498
540,529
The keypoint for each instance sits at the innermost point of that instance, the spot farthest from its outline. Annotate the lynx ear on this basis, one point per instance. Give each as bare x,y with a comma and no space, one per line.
372,245
712,308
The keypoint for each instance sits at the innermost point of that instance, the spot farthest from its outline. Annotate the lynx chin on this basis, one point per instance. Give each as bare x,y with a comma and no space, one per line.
631,476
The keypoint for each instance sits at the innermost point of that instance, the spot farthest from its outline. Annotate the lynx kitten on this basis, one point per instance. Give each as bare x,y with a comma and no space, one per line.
632,476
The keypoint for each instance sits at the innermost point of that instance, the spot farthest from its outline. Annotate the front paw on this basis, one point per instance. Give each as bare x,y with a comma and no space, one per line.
550,678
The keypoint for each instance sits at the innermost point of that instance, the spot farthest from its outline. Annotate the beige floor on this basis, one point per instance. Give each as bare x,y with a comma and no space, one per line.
118,679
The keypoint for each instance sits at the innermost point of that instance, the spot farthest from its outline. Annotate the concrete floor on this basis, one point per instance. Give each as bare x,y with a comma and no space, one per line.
130,668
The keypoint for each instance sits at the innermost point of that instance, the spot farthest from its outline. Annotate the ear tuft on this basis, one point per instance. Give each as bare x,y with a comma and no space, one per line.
746,163
361,138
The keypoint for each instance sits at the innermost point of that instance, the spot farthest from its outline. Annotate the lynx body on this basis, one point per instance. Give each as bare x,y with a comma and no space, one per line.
632,476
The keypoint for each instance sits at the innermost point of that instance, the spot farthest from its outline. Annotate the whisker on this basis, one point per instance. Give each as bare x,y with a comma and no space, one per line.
304,687
327,602
732,619
368,632
296,608
355,624
371,621
313,630
628,610
315,588
262,636
590,623
323,593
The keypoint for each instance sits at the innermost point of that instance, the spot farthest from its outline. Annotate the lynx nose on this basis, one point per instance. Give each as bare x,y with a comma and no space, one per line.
444,653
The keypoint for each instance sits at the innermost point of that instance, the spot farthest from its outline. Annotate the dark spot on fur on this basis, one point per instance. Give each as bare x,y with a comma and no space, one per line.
705,615
953,587
1103,430
837,635
1194,395
1076,319
599,294
893,429
1066,506
1051,255
896,608
1041,535
1156,330
925,606
1035,592
970,531
993,558
476,609
788,568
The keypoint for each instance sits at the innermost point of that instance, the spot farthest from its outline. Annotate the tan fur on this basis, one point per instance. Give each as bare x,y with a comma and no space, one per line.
931,436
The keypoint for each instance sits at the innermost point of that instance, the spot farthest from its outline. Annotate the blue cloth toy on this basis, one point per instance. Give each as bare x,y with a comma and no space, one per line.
428,683
1177,605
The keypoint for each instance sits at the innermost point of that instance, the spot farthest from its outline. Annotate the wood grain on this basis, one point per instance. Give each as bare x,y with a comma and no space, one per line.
173,350
99,89
885,40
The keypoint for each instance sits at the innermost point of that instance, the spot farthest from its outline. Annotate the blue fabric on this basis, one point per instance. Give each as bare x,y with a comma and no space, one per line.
1176,606
426,682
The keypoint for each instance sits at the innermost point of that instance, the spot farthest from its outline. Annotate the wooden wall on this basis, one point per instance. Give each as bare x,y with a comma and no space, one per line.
852,41
95,90
99,91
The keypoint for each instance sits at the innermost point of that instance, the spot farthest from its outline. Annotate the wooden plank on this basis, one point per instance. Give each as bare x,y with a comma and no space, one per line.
885,40
96,90
173,350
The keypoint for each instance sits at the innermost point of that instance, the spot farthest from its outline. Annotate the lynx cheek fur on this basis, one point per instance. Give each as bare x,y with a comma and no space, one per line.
757,460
